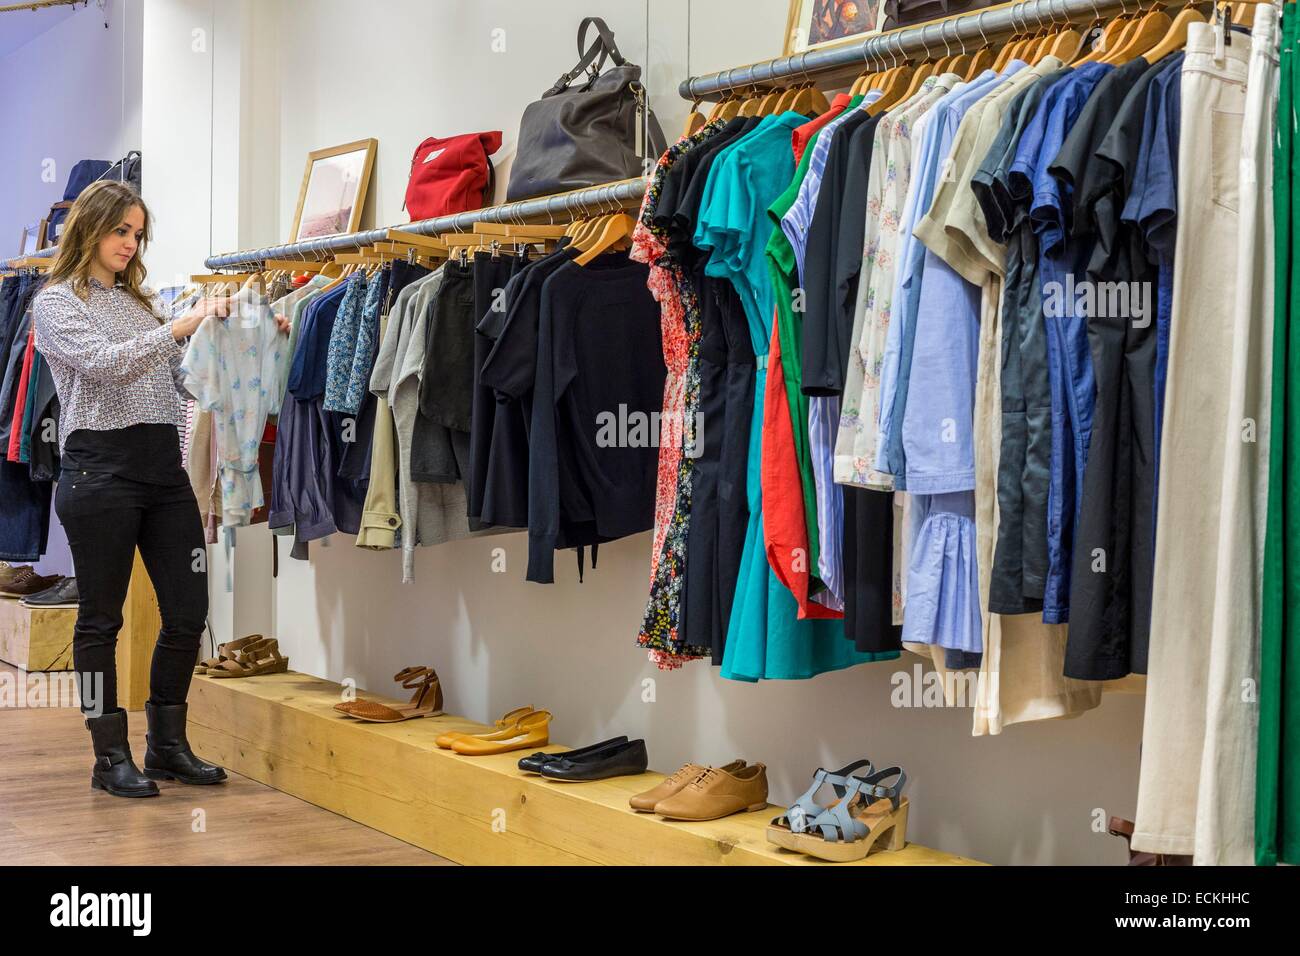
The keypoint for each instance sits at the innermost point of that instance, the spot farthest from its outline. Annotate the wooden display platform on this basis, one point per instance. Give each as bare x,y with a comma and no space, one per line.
282,730
36,639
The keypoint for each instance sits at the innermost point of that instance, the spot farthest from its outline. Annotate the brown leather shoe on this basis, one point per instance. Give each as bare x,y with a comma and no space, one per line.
717,792
25,581
8,571
645,802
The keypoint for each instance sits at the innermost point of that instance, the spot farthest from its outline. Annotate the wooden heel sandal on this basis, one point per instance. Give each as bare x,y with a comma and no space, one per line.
425,702
848,830
798,819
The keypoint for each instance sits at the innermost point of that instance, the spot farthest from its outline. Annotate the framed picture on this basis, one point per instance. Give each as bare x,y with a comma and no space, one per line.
333,190
31,239
817,23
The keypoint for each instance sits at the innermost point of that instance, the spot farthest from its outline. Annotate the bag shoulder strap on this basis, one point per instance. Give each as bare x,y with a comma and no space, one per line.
606,38
603,46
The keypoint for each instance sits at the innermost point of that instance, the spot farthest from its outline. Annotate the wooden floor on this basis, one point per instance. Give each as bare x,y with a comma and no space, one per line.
49,814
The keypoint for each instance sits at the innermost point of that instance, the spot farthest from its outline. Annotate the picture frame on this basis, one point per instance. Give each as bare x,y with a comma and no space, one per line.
812,24
333,190
31,242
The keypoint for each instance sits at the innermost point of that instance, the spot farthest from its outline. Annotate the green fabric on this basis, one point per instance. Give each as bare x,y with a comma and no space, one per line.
1277,780
29,411
780,256
781,262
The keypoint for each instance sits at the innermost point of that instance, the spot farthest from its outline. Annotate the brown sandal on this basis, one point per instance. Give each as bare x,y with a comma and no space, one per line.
226,652
425,702
260,657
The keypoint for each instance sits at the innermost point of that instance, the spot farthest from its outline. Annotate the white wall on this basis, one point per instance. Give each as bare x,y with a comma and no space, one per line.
71,93
332,71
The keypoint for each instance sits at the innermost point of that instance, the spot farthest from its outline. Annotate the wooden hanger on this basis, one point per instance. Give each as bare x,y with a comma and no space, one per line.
427,244
920,74
767,105
694,121
1144,34
893,93
531,231
1065,44
223,278
615,230
1175,37
1111,35
293,265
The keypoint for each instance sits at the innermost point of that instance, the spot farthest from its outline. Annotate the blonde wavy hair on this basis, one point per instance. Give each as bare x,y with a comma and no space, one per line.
99,210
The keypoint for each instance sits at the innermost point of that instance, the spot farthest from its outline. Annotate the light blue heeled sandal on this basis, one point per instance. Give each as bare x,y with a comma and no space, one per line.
870,809
806,808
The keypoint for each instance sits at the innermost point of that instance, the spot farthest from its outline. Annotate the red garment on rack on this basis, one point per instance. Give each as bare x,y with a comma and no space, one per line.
785,524
20,399
802,134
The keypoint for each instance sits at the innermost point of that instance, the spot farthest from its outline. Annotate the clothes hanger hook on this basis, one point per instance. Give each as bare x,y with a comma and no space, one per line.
956,38
979,25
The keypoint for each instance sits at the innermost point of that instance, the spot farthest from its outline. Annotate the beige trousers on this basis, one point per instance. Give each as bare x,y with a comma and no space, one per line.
1200,459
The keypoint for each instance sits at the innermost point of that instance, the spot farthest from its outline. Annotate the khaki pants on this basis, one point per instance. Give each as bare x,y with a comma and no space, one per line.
1215,373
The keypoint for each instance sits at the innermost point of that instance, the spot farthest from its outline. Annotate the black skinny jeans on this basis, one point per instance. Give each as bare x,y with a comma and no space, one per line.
106,517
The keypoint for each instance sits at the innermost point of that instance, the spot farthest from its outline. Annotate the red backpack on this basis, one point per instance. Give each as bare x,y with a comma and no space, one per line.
451,175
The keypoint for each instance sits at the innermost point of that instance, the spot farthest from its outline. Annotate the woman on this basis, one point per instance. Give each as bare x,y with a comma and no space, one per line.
114,358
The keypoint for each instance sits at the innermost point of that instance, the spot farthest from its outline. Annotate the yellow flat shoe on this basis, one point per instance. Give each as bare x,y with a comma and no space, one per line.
533,730
505,727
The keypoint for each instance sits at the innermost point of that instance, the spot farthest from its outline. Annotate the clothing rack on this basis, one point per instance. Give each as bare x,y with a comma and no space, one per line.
954,34
10,265
608,197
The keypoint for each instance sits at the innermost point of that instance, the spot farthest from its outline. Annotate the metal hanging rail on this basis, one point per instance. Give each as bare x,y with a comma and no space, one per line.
6,265
610,196
890,48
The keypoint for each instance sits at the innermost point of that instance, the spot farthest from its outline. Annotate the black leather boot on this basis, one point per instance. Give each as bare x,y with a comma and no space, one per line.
168,755
114,770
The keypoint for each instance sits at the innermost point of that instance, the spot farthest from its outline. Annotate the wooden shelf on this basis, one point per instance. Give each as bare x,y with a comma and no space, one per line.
36,639
282,730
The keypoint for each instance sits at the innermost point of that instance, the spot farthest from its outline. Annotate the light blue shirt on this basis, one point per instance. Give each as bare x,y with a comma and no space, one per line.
907,284
938,415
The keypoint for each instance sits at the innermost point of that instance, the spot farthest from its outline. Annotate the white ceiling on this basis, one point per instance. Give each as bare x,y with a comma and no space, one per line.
19,27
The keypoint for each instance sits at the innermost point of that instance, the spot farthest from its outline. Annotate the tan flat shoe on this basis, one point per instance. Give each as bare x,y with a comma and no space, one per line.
646,802
425,702
505,726
533,730
717,793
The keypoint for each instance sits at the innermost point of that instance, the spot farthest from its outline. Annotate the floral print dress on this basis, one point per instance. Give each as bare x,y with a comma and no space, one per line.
681,328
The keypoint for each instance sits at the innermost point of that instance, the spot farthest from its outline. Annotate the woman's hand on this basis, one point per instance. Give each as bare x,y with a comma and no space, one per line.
283,323
186,325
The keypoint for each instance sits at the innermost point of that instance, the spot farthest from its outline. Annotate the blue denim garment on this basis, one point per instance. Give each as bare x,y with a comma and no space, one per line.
343,341
1152,210
24,504
1069,357
307,373
363,356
